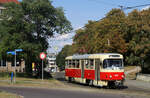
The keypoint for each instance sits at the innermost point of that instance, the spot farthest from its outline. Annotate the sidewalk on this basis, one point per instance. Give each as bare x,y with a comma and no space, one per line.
138,84
137,69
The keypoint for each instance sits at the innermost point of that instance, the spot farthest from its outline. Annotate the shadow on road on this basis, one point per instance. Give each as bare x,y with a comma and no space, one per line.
61,79
60,76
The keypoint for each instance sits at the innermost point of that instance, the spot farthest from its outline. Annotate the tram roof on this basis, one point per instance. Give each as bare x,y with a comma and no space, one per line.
99,55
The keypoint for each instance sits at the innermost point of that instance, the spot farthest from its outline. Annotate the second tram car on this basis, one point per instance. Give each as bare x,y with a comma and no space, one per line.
104,69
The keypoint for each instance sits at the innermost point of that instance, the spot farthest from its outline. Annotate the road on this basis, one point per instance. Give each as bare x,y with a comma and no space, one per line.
131,86
81,91
55,93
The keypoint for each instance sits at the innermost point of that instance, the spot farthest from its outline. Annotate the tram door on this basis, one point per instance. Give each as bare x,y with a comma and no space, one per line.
97,70
82,69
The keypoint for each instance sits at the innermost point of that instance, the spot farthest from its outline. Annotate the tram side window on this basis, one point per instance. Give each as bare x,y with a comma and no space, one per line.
104,64
66,64
91,64
70,63
77,63
73,64
87,64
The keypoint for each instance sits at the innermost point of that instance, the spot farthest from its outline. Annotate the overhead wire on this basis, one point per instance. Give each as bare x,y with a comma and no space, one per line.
120,6
131,7
106,3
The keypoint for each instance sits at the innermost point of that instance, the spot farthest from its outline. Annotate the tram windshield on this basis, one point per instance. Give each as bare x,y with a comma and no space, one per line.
113,63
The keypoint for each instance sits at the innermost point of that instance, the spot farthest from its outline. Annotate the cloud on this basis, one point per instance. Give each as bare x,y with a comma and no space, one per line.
146,8
59,41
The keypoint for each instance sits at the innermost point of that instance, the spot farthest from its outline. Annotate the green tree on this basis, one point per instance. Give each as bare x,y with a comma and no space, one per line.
28,25
117,32
138,36
105,35
60,59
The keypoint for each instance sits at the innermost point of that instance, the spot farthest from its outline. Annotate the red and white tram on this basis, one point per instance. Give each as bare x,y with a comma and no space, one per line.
104,69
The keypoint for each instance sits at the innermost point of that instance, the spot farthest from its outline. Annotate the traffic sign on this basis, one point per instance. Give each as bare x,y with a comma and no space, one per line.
42,55
18,50
11,52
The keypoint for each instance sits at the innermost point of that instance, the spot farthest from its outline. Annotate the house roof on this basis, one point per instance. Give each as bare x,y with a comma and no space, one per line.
7,1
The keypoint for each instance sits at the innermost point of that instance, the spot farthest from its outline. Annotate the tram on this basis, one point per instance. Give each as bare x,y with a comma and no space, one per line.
103,69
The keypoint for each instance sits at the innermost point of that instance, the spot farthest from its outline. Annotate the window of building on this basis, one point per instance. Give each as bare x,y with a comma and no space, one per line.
3,62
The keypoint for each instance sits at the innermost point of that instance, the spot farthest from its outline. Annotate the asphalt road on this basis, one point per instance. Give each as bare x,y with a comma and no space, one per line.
53,93
130,86
79,91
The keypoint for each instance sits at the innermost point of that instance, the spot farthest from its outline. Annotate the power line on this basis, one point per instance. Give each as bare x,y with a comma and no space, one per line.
106,3
131,7
121,6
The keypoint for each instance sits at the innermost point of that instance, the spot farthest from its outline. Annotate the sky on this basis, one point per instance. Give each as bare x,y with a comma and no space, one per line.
79,12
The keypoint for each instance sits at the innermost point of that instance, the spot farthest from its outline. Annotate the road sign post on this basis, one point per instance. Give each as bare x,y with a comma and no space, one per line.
15,69
15,53
42,57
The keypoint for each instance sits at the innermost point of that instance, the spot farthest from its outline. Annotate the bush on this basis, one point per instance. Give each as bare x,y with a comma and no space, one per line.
5,74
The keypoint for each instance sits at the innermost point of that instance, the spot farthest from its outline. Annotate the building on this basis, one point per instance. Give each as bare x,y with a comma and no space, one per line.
51,66
2,2
6,66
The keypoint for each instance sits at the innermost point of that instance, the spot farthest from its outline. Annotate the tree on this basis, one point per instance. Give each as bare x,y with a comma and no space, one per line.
60,59
105,35
117,32
138,36
28,25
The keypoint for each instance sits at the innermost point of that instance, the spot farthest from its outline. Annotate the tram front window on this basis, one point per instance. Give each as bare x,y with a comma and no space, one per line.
112,63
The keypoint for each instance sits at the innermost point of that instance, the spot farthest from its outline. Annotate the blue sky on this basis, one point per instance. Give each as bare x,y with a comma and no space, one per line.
78,12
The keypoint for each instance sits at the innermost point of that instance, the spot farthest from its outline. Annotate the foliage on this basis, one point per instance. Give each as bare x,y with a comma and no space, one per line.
119,33
105,35
60,59
28,25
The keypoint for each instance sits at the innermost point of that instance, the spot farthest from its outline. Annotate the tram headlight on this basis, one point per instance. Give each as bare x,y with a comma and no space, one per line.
122,76
110,76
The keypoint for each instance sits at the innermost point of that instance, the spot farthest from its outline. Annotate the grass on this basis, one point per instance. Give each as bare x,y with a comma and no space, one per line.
8,95
31,82
46,83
